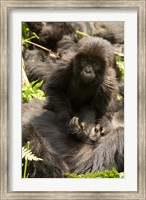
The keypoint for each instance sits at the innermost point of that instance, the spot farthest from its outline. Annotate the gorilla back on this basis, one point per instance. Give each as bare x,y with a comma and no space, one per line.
63,153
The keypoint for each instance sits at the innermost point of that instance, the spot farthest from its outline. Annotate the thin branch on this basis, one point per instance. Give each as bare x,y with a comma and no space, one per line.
52,54
79,33
26,160
25,80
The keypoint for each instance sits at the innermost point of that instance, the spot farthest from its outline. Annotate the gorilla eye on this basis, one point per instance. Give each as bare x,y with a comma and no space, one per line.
96,65
84,61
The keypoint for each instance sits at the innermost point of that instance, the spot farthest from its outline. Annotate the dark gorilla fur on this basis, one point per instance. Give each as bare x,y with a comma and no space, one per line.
88,77
62,153
39,64
50,32
61,37
80,127
111,31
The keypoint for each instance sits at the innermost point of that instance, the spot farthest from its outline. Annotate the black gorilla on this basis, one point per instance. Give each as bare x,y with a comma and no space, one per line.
62,153
111,31
50,32
80,128
86,77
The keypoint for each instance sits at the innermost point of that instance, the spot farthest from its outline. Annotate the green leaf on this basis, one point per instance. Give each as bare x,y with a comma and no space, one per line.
29,156
27,35
32,91
105,174
120,65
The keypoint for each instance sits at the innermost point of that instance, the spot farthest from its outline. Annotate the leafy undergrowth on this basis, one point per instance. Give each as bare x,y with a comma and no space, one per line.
32,91
28,156
105,174
120,63
27,35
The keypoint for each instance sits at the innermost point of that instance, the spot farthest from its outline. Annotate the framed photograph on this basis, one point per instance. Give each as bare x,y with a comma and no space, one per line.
64,33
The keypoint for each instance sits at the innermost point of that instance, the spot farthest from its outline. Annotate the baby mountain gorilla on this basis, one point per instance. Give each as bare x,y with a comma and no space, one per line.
80,127
88,78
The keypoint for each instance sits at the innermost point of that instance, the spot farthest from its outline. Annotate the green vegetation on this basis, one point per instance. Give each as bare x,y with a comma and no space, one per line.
32,91
105,174
29,90
28,156
27,35
120,63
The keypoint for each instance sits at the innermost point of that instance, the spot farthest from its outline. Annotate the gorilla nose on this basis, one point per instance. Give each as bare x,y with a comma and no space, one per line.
88,70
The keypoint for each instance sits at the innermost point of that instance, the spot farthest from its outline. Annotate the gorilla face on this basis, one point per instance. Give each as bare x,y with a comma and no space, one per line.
90,68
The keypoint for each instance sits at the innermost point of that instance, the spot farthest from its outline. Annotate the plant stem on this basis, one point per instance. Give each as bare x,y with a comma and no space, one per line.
26,161
52,54
119,54
25,80
79,33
